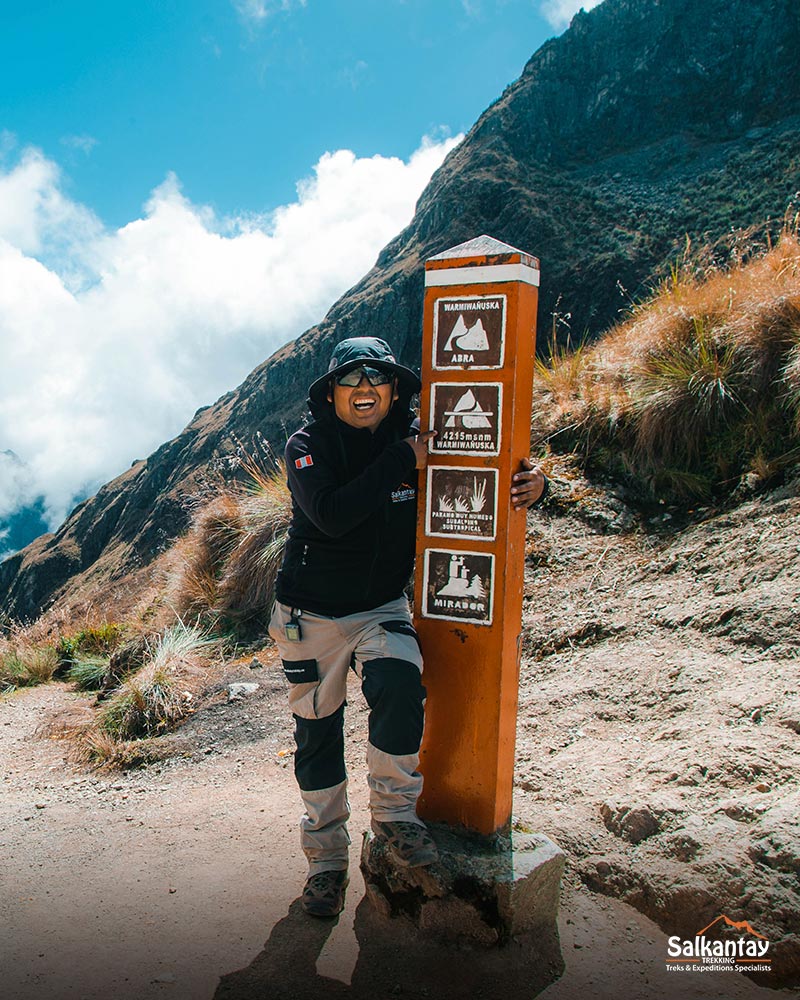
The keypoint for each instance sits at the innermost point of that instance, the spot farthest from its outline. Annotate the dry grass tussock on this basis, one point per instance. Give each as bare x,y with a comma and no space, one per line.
46,630
700,386
133,727
29,652
90,745
23,664
223,570
100,750
59,643
162,692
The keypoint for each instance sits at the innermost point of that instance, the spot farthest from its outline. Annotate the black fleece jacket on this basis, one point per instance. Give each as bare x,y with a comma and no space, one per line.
352,537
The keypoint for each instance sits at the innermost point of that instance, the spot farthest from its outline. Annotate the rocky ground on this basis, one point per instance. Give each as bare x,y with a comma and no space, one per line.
657,745
659,713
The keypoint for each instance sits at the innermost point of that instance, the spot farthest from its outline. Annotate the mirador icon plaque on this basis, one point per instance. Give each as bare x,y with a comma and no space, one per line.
458,586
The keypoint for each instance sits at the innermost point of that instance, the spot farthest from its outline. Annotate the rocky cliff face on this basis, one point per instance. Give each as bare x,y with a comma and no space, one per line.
647,122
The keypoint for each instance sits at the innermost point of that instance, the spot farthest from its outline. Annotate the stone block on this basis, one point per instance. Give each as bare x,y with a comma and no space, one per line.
481,893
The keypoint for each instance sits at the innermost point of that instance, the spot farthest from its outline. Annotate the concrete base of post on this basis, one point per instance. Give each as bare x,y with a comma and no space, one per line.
496,903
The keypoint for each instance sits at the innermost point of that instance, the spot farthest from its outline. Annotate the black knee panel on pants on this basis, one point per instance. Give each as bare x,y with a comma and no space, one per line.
394,692
319,758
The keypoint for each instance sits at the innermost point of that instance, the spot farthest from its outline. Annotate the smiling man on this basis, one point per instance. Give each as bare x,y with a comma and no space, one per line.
340,604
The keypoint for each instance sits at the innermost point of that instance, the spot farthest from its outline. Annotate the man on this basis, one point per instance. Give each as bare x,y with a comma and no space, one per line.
341,604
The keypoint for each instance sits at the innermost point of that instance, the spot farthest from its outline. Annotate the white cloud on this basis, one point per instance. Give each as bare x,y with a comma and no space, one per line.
256,11
35,216
110,340
559,13
16,486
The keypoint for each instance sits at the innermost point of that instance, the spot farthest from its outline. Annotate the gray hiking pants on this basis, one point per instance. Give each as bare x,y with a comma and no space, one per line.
382,648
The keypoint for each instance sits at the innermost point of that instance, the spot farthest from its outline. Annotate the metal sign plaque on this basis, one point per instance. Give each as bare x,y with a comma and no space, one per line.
461,502
466,417
458,586
469,332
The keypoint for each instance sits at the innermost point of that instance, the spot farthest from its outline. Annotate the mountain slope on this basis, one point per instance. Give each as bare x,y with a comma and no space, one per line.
646,122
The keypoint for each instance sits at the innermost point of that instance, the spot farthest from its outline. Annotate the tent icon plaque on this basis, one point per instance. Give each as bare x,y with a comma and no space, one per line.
466,417
469,332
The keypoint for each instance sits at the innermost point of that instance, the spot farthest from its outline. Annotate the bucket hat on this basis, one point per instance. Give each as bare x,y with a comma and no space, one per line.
370,351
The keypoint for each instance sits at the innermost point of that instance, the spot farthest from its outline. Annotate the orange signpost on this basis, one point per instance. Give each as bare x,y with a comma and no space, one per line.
477,372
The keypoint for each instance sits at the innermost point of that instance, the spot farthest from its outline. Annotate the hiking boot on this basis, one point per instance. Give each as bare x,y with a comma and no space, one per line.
323,893
409,844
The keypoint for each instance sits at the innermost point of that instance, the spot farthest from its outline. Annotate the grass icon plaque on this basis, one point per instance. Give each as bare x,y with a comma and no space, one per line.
461,502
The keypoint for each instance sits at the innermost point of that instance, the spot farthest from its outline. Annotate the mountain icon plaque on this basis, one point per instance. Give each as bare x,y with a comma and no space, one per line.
469,332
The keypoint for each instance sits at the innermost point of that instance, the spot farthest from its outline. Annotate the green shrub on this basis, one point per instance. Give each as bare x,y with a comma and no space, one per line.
88,672
93,639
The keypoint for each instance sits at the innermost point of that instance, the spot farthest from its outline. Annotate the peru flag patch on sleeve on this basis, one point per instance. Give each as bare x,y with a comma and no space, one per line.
303,462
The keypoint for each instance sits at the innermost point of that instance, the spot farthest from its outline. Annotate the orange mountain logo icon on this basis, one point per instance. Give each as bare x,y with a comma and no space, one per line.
737,925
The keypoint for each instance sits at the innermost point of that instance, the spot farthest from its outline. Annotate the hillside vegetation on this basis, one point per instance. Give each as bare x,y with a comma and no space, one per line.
645,121
698,390
696,394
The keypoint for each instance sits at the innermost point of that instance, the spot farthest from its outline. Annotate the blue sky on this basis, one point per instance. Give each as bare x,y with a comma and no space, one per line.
239,98
185,185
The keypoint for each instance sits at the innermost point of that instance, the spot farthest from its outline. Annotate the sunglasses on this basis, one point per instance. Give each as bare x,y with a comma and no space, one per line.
353,378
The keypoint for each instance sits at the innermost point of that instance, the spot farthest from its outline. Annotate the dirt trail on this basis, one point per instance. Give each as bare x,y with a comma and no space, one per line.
156,884
135,885
657,744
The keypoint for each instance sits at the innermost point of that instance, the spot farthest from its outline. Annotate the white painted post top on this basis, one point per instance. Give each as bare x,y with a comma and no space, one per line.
479,261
